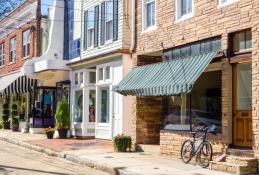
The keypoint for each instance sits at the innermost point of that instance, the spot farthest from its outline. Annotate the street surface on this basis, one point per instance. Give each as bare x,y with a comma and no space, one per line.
15,160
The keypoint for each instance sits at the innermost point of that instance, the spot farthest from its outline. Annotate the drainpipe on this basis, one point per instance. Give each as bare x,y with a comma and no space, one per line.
133,20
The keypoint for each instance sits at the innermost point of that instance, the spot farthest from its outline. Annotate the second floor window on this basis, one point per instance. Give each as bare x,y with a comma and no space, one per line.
109,20
184,9
242,41
149,14
26,40
226,2
2,55
12,50
90,28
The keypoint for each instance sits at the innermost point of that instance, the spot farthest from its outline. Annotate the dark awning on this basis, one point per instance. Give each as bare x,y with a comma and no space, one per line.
164,79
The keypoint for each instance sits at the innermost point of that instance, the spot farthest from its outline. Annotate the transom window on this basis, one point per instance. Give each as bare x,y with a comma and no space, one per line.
2,55
26,40
90,28
184,9
104,73
149,14
12,50
242,41
108,20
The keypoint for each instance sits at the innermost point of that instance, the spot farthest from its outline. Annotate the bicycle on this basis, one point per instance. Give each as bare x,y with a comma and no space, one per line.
204,150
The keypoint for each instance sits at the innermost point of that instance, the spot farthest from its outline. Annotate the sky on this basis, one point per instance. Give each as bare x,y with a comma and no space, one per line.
45,5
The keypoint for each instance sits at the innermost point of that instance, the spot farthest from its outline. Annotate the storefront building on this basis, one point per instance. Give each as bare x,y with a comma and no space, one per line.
205,73
97,111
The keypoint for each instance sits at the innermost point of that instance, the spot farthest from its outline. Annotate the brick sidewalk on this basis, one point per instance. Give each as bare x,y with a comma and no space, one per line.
100,155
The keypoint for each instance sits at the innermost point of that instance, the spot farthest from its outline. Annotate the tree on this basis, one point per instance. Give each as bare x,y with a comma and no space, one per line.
6,6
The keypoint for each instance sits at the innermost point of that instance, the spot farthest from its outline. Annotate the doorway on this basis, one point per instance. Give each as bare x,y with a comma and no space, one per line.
242,96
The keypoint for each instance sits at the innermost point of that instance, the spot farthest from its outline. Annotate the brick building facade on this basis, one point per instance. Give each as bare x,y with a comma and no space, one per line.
209,19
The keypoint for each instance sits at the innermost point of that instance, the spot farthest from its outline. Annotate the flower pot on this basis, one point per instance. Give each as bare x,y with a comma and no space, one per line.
62,132
50,135
15,127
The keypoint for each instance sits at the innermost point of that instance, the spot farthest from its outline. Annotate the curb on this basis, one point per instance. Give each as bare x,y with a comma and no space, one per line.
92,164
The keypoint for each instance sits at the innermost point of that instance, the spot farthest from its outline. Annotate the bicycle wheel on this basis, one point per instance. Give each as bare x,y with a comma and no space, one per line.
205,155
186,151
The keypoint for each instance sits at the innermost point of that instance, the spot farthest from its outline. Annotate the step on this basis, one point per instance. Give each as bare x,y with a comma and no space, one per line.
245,161
148,148
242,152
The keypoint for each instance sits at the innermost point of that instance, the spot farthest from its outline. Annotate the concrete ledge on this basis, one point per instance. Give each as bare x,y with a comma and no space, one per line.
102,167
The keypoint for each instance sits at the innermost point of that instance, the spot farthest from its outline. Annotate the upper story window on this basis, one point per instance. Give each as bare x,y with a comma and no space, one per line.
12,50
2,55
26,40
148,14
242,41
184,9
90,28
108,20
226,2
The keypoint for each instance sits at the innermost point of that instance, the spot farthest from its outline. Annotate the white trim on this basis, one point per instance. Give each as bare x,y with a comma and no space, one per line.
179,18
144,16
226,3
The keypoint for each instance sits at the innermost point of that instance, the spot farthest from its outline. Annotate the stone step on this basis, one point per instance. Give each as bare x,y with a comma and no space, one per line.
242,152
232,168
245,161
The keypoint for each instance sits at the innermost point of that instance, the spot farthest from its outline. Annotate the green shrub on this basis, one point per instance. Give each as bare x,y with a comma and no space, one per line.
63,114
14,121
122,143
1,123
14,107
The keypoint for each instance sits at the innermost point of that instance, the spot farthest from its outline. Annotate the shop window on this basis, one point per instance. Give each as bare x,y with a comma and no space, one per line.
242,41
92,77
78,109
193,49
184,9
92,97
104,95
12,50
100,72
200,108
2,55
107,72
149,14
76,79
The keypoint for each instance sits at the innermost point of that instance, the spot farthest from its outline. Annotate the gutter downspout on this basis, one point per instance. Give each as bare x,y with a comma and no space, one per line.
133,20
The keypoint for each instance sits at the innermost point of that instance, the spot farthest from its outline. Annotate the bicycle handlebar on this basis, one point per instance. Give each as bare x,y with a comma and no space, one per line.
204,130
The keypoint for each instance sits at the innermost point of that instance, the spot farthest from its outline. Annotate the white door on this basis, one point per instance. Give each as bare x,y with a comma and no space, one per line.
117,114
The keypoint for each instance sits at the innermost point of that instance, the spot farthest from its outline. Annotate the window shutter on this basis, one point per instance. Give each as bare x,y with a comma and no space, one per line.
96,25
115,20
102,23
85,30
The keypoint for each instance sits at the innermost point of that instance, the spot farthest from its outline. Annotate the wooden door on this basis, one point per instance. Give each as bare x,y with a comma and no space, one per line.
242,82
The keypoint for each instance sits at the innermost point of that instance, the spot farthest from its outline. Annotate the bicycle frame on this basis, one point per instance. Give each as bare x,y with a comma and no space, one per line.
203,140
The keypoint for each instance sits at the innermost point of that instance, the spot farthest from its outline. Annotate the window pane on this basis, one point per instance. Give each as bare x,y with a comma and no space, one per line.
92,97
78,110
100,74
109,30
185,51
76,78
195,49
104,99
244,86
248,39
176,53
92,77
107,72
150,8
205,47
239,42
90,22
109,11
81,78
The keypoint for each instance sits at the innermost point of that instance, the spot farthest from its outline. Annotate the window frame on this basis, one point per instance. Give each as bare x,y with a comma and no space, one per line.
12,52
26,44
146,28
2,55
228,2
178,10
232,43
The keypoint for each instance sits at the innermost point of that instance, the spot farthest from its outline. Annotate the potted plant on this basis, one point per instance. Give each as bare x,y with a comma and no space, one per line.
6,113
122,143
49,132
15,118
62,118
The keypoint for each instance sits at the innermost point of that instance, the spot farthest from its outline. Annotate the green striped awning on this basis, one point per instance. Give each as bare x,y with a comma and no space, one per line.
164,79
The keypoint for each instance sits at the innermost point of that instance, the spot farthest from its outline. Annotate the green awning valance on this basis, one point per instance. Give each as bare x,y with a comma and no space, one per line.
164,79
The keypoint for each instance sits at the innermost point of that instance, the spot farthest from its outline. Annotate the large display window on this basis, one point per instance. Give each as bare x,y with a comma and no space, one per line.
78,109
